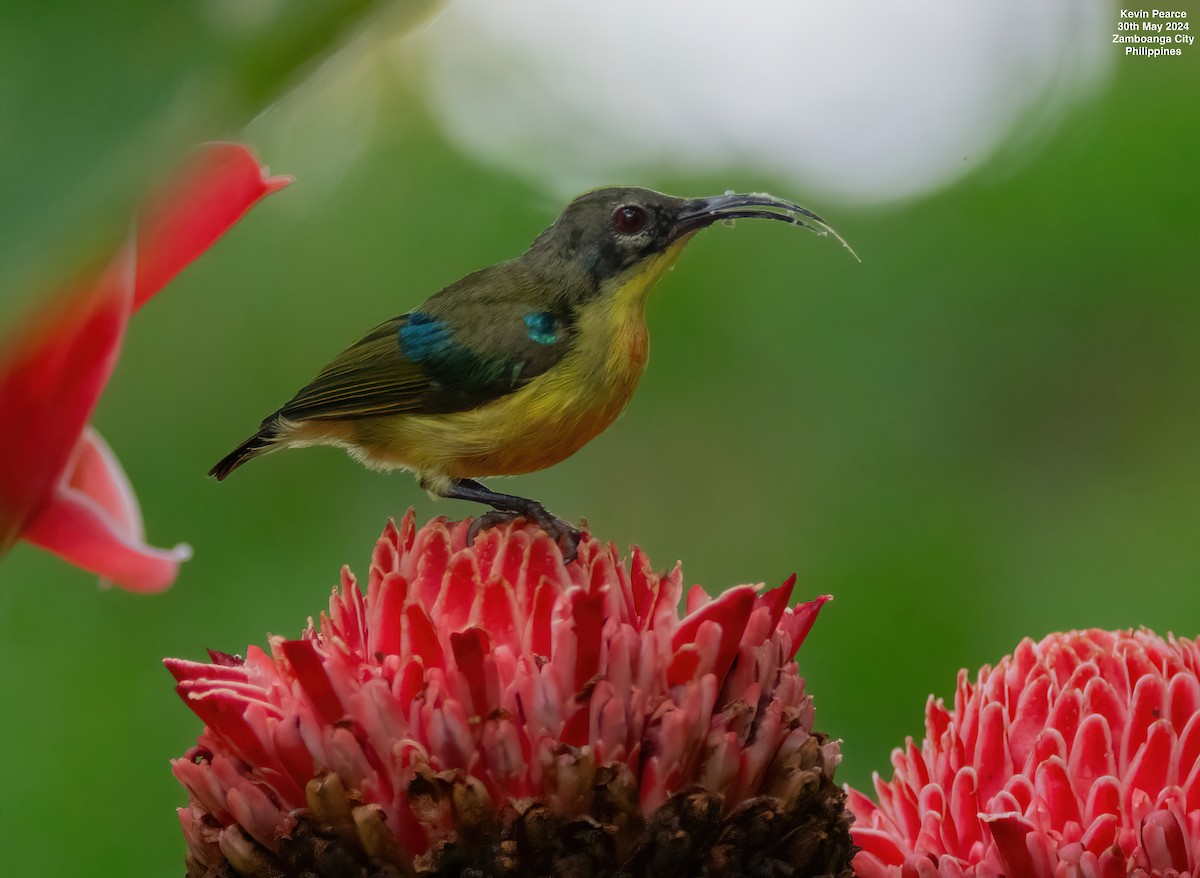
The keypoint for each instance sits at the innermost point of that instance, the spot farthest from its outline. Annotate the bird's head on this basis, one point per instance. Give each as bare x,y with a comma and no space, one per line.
621,235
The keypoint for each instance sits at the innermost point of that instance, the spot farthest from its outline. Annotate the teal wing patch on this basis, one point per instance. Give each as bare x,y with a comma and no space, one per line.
540,326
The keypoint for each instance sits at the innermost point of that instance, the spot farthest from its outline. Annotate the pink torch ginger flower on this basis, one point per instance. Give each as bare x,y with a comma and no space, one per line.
1075,757
488,708
61,487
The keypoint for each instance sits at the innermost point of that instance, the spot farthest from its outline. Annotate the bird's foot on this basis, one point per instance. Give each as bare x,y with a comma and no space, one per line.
565,535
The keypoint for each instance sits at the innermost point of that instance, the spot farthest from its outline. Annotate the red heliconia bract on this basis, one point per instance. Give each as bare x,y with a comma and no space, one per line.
487,706
1076,757
61,487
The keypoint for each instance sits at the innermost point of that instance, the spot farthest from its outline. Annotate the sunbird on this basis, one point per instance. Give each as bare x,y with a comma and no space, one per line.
516,366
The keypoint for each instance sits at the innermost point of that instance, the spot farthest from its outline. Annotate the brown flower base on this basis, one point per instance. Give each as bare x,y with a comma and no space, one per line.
798,829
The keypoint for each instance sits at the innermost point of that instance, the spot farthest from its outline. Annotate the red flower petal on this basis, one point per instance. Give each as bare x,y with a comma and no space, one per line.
310,673
540,618
587,614
387,600
798,622
95,471
49,383
211,193
776,600
1183,695
964,807
1053,783
1150,769
731,611
92,520
881,845
422,637
1092,753
469,649
1033,711
1010,832
498,610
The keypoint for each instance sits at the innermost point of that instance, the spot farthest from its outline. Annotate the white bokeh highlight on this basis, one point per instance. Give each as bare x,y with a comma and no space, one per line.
865,100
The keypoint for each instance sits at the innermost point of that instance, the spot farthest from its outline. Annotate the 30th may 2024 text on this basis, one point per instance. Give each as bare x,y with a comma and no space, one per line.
1153,33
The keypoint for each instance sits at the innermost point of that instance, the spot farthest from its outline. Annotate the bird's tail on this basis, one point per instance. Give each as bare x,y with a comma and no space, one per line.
258,444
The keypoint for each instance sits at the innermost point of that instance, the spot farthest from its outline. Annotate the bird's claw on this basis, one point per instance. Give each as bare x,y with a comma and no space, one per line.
566,536
488,521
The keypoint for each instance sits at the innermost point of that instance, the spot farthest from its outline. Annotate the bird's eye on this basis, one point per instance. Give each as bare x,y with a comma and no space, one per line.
629,219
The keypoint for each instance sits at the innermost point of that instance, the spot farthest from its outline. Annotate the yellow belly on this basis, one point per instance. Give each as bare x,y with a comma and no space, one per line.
544,422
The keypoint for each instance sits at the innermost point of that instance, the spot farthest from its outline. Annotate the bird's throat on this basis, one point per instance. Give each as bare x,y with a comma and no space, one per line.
614,338
629,289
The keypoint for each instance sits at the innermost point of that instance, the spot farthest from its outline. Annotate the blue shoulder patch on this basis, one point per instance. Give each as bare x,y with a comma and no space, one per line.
539,326
422,337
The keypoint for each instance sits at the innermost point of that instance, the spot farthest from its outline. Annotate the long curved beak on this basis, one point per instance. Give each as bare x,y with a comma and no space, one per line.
698,213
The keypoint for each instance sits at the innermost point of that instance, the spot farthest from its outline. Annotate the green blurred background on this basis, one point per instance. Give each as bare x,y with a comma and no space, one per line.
987,430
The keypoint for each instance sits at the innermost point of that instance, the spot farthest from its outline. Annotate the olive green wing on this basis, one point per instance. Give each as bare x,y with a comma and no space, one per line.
368,378
453,354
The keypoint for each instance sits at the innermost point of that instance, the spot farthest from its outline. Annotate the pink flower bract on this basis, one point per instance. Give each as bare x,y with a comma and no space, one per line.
492,680
61,487
1076,757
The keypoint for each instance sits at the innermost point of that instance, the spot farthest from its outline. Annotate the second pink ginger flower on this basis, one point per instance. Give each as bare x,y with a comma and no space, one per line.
1075,757
487,708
